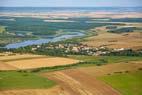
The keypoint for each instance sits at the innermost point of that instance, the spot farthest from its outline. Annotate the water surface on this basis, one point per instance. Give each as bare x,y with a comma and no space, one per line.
42,41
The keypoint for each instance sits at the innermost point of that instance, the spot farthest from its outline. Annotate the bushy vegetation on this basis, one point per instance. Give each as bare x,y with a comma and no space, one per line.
128,52
108,59
127,20
111,27
51,52
124,30
2,30
79,64
39,27
25,28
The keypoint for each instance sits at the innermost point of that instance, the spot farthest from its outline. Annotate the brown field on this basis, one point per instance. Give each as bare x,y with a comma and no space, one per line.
112,40
82,81
4,66
76,82
32,61
41,62
52,91
12,56
112,68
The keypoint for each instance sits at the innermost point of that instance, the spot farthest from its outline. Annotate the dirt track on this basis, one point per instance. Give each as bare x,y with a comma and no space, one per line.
76,82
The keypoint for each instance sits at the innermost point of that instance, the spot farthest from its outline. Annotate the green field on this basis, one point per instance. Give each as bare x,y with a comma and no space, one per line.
2,29
23,80
127,84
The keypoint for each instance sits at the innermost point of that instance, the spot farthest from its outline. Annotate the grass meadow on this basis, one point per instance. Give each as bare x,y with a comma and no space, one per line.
126,83
23,80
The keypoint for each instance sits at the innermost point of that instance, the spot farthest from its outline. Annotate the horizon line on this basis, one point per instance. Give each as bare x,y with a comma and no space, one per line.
70,6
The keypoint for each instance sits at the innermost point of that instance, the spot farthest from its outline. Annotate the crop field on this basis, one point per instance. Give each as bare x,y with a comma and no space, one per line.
9,57
50,91
4,66
79,80
76,81
127,83
111,69
108,59
23,80
32,61
125,77
130,39
41,62
107,79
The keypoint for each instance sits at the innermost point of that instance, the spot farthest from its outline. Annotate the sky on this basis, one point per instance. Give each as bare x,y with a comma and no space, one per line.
70,3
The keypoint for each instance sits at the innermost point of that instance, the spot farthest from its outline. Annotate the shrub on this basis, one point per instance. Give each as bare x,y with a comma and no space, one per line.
126,71
139,68
118,72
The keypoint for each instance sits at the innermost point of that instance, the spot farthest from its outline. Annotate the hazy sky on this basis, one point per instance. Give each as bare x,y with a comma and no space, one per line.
70,3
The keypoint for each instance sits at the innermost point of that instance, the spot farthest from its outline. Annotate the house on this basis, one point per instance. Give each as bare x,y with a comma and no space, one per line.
75,49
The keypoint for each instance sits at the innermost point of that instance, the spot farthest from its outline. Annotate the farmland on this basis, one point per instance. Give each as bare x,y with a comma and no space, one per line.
23,80
67,80
127,84
115,40
28,61
108,59
72,66
79,80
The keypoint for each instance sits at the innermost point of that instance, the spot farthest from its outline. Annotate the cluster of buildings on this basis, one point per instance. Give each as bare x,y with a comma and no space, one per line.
78,48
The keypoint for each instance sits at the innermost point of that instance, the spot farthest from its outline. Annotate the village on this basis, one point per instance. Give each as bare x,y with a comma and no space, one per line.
78,48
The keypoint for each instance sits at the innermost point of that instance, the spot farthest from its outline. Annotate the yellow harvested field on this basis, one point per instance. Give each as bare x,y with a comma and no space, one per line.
112,40
26,61
18,56
41,62
52,91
